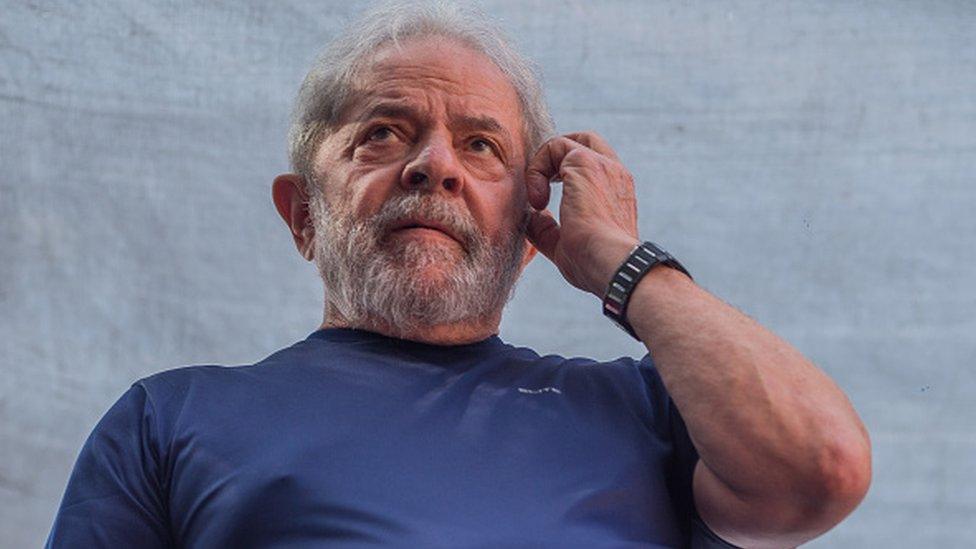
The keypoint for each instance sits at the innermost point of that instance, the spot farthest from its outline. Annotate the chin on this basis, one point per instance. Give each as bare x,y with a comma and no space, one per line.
426,256
430,275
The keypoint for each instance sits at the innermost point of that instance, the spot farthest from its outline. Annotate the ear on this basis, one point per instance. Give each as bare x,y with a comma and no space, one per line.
291,200
528,254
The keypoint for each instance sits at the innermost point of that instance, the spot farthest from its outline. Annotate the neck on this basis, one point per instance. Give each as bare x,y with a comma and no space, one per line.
455,333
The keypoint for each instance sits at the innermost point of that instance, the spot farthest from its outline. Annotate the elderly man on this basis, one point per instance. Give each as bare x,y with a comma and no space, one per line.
423,156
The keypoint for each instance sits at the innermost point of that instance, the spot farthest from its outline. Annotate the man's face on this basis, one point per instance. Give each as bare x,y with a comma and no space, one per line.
419,214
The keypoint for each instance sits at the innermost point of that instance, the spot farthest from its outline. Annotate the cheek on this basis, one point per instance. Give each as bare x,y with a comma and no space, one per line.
485,168
380,154
498,214
367,188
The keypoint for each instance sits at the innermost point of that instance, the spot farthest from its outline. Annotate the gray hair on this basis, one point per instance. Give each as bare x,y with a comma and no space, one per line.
329,85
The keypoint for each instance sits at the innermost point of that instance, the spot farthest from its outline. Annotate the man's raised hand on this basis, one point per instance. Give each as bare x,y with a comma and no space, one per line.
597,225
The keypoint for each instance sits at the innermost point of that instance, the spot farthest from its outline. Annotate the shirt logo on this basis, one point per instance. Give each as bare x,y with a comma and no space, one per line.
539,391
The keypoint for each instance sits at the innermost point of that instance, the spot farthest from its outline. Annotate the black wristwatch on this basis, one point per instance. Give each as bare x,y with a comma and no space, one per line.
644,257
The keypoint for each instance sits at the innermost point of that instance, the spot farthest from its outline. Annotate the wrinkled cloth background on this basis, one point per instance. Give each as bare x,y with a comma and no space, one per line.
811,163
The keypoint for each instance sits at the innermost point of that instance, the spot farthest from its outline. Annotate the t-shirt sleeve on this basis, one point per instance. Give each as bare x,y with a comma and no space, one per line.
114,496
684,456
683,463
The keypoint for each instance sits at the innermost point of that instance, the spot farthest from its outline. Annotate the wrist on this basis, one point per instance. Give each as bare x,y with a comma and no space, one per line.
606,258
645,259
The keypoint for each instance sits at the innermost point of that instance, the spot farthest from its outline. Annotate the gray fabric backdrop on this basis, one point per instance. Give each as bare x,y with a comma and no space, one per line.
811,163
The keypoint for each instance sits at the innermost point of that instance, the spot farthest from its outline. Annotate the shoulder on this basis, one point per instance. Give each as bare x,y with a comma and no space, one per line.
625,369
166,393
177,383
620,364
634,378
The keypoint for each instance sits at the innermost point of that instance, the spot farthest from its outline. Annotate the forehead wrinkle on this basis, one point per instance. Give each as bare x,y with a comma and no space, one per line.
390,109
415,90
413,75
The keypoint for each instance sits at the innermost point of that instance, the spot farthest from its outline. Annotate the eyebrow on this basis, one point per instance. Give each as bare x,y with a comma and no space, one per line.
481,123
485,124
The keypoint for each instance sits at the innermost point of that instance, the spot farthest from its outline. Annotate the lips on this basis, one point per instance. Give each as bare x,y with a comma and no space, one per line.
416,223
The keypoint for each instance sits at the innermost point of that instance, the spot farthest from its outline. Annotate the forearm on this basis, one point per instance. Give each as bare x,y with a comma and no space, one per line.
765,420
783,454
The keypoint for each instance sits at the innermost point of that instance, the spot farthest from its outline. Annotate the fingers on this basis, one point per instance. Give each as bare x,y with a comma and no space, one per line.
595,142
544,166
543,232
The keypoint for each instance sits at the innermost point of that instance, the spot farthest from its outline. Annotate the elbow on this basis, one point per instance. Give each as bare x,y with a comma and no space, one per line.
829,492
842,476
819,495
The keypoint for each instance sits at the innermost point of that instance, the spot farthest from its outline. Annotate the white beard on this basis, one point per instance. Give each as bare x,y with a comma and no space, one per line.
411,284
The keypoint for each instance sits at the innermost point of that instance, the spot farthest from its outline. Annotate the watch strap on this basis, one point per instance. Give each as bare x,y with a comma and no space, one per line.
642,259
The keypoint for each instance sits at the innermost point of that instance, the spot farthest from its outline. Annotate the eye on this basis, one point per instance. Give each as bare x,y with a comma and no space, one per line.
481,145
381,133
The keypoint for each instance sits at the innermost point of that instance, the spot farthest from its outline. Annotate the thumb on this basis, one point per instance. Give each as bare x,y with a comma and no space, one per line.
543,232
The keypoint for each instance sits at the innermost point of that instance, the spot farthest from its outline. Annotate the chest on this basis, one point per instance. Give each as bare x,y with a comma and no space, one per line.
434,464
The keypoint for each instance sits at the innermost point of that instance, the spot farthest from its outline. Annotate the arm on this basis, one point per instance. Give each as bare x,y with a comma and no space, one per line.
113,497
784,456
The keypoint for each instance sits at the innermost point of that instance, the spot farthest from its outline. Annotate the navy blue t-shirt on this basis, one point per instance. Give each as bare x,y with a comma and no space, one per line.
352,439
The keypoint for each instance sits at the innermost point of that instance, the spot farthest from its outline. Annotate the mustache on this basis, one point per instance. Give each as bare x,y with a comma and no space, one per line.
427,207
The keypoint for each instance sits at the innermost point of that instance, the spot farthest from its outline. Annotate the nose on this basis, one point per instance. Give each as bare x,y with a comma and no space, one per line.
434,169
